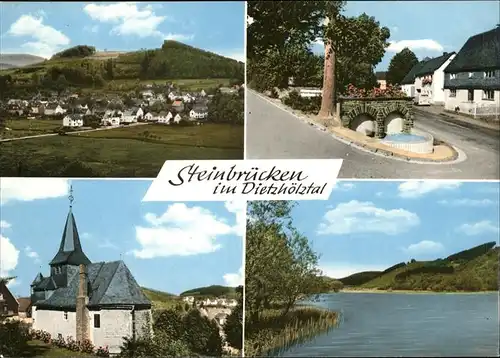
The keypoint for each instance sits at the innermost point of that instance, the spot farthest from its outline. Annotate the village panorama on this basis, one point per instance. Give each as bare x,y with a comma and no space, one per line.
86,113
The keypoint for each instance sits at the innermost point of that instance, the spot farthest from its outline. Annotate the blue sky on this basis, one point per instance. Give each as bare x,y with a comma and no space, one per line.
428,28
43,28
368,225
170,247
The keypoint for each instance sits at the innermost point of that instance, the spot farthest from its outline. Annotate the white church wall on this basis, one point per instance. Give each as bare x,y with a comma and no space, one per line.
143,323
55,322
114,325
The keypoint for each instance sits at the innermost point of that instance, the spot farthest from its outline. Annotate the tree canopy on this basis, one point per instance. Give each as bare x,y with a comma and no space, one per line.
401,63
281,266
76,51
282,33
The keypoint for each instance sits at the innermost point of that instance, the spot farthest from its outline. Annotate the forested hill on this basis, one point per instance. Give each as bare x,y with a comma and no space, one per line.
211,291
81,66
475,269
177,60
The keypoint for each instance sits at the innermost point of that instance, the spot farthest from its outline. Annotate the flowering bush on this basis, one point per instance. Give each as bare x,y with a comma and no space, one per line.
102,352
36,334
59,342
72,344
389,92
45,337
86,346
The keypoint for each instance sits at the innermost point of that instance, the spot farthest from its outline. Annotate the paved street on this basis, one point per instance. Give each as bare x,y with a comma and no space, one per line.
273,133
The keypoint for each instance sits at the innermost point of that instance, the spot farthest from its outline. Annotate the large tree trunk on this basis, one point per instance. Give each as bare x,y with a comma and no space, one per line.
327,110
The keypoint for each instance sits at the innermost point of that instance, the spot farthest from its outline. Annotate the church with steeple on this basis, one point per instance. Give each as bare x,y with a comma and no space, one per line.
101,301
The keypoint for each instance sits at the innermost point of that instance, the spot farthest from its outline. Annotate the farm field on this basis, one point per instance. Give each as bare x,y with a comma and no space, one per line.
29,127
122,152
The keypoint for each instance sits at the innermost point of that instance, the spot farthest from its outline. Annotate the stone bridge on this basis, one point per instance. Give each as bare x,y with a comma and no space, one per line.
376,116
216,313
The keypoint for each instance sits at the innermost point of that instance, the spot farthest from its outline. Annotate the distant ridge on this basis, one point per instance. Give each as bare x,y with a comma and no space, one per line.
18,60
474,269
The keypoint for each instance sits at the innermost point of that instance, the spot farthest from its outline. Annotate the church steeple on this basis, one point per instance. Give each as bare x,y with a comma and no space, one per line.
70,251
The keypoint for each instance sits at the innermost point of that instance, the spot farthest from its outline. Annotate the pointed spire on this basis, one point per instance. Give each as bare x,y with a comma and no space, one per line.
70,197
70,250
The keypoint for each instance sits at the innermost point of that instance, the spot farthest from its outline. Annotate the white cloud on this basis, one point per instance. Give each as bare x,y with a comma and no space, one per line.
468,202
127,18
425,247
235,279
343,186
31,254
4,224
379,194
93,29
28,189
183,231
415,189
179,37
239,209
9,256
86,235
395,29
238,55
425,44
365,217
47,40
341,270
106,244
479,228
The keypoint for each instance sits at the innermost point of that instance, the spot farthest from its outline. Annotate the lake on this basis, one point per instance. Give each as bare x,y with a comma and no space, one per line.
395,324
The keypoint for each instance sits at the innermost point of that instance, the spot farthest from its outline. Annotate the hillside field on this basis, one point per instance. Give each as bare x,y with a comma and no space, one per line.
471,270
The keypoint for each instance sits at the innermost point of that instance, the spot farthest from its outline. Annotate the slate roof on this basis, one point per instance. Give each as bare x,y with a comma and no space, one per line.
480,52
70,251
200,108
37,279
24,303
110,284
410,76
433,64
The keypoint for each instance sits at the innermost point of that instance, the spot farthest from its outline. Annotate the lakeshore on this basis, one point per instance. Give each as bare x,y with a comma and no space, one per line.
374,290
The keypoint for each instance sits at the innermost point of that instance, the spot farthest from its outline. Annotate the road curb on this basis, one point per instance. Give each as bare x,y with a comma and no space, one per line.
457,156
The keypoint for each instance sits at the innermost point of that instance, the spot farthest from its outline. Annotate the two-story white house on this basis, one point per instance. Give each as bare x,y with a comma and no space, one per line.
73,120
429,79
408,82
472,79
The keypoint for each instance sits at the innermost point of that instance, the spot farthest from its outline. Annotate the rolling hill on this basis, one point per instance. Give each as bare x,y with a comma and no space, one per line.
211,291
475,269
18,60
81,66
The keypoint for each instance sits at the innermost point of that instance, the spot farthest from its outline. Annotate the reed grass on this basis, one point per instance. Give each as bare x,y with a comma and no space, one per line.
275,333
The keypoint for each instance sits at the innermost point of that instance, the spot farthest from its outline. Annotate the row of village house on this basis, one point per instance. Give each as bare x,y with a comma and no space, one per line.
466,82
74,117
207,302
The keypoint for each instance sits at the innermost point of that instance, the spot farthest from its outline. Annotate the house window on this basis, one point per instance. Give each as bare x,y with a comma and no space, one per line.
97,320
470,95
453,76
453,93
489,95
489,74
65,316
